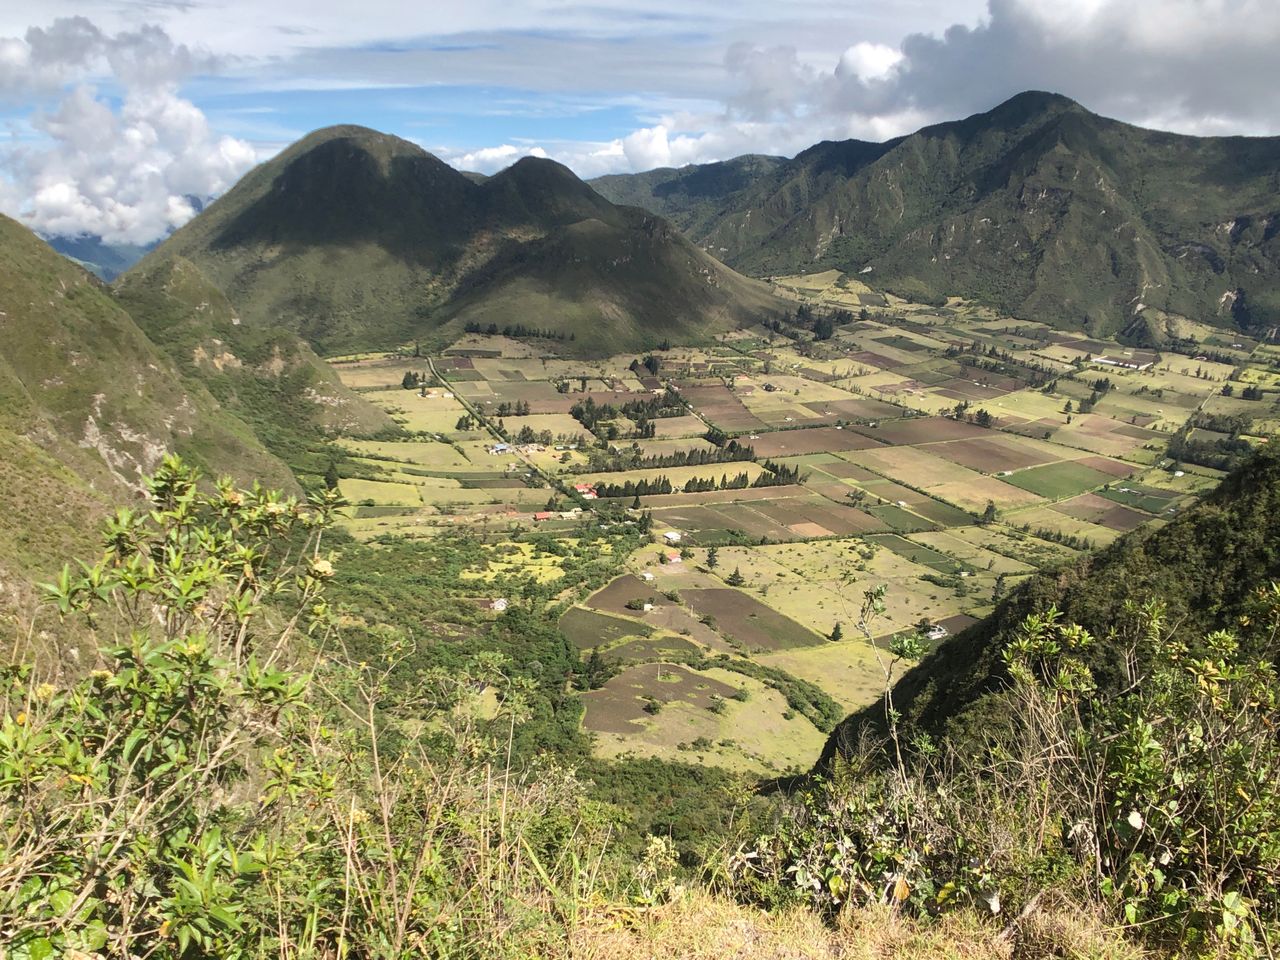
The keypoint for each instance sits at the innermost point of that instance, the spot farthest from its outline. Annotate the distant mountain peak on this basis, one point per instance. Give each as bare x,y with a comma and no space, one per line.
1037,207
1029,101
356,239
354,132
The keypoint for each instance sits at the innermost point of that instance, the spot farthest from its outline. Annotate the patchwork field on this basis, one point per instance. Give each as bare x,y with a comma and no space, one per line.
944,453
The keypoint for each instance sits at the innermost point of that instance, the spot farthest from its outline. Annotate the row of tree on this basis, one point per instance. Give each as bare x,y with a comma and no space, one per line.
601,462
774,475
1250,392
518,331
593,415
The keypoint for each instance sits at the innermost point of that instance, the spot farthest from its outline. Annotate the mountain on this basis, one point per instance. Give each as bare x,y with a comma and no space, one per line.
1037,207
1206,566
88,405
690,196
355,239
266,375
105,260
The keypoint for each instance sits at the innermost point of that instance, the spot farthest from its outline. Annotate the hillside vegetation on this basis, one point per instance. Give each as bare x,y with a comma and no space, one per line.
265,374
197,793
1038,208
88,406
1110,727
355,239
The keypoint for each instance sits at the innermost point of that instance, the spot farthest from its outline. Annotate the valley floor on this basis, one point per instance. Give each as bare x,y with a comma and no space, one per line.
944,453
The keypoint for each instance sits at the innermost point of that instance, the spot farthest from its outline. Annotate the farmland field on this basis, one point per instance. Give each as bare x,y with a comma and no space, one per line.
1059,480
588,628
944,453
747,621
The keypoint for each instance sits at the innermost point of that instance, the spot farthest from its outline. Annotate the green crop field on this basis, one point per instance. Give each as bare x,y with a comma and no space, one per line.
1058,480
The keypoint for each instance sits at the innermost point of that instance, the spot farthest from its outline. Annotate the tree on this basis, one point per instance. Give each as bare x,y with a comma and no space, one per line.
837,633
596,672
736,579
713,558
410,380
982,418
331,476
990,514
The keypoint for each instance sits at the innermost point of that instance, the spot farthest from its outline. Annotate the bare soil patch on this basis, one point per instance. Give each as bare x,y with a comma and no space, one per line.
792,443
743,618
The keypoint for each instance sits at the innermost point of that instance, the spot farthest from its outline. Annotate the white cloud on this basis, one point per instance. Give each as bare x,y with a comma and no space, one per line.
868,61
123,173
1191,66
702,84
1188,65
647,148
492,159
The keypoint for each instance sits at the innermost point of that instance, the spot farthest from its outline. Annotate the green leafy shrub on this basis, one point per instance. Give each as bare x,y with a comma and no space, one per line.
1160,801
196,795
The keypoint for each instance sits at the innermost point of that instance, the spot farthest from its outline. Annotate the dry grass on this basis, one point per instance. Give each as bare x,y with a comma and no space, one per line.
701,927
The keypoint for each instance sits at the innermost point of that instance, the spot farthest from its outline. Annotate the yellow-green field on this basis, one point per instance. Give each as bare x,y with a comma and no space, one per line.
751,736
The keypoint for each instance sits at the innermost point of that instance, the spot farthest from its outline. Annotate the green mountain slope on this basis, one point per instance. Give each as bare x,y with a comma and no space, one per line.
632,281
691,196
88,405
1037,207
355,239
1205,565
266,375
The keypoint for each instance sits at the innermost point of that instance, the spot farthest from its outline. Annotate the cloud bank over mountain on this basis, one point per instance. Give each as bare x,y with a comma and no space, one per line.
122,163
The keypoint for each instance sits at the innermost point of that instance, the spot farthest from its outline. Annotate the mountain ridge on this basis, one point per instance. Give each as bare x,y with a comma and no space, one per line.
1037,207
355,239
90,405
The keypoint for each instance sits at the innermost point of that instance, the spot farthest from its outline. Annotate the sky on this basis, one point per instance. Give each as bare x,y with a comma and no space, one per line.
116,114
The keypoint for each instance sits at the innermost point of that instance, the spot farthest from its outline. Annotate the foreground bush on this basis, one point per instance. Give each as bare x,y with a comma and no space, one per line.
1161,803
196,794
